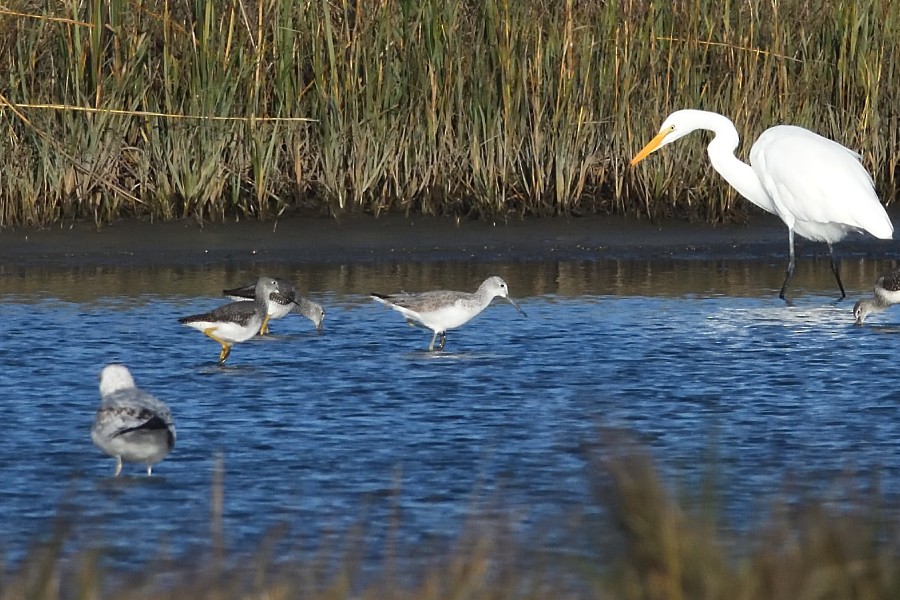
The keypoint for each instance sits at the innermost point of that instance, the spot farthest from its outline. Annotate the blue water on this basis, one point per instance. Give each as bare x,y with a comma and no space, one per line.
698,361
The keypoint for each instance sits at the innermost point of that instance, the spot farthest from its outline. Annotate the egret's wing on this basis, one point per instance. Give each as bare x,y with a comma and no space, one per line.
816,180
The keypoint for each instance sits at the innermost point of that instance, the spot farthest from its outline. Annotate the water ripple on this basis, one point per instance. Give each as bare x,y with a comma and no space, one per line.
318,432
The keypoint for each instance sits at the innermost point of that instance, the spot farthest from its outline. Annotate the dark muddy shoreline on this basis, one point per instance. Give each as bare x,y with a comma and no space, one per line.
297,240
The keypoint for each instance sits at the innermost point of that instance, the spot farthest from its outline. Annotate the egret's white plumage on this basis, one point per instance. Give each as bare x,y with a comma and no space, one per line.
283,303
131,425
442,310
237,321
887,293
815,185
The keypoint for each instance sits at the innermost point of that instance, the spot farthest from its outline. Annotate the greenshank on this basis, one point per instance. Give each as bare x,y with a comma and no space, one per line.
443,310
131,425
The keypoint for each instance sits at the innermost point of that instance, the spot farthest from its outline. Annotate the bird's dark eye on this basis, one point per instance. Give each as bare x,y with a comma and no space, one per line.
671,128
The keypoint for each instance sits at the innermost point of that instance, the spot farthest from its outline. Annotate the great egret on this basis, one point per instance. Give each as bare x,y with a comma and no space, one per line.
815,185
887,292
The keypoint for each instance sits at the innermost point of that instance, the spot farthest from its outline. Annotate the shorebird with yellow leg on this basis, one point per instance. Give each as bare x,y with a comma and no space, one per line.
283,303
236,322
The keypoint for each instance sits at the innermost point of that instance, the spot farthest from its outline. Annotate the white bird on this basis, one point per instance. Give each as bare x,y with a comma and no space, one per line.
443,310
283,303
131,425
887,293
237,321
815,185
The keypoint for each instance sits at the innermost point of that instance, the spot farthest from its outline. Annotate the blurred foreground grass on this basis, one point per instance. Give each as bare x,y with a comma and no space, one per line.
642,544
249,108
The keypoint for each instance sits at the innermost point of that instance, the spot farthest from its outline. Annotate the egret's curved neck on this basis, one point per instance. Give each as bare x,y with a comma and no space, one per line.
739,174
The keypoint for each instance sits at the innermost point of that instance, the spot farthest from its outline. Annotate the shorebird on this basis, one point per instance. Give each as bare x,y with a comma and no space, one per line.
887,292
237,321
443,310
131,425
283,303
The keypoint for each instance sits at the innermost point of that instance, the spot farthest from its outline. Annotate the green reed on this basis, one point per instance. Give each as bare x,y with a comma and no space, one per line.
216,110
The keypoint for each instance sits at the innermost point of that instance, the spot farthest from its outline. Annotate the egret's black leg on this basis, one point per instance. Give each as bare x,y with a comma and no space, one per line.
790,269
787,279
835,268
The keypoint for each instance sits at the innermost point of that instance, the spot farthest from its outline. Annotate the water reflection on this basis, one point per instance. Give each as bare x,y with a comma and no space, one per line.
697,358
657,277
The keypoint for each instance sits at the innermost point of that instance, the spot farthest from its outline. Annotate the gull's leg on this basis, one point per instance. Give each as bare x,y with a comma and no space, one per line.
226,350
434,337
835,268
118,466
790,269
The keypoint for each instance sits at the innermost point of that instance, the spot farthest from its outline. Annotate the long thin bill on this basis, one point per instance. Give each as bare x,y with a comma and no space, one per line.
511,301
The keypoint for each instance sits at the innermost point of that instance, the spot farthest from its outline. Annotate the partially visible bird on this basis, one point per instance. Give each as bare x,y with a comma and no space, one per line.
443,310
283,303
887,293
237,321
815,185
131,425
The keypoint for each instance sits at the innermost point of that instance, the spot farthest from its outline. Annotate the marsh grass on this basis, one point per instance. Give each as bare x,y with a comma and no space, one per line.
641,539
248,108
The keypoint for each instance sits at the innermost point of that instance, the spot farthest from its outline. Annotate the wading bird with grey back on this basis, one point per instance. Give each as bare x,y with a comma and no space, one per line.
442,310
